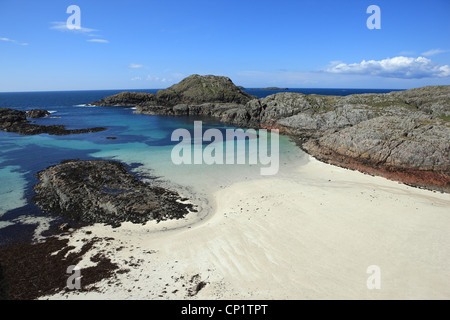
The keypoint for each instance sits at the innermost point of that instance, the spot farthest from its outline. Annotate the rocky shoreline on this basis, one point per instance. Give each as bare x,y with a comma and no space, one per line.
403,136
16,121
100,191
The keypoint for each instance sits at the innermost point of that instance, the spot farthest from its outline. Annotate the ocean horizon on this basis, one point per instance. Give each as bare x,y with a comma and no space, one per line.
327,91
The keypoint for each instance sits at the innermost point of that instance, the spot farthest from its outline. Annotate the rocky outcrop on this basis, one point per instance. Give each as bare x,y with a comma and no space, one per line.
401,135
125,99
202,89
104,192
10,117
37,113
193,90
412,150
211,96
16,121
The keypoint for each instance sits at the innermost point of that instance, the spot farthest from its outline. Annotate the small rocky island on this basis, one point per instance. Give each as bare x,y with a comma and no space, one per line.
104,192
16,121
403,136
37,113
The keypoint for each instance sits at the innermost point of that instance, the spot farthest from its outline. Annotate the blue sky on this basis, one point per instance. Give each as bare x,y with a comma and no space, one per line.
141,44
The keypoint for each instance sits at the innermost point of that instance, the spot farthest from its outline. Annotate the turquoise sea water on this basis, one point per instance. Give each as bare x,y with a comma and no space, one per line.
143,142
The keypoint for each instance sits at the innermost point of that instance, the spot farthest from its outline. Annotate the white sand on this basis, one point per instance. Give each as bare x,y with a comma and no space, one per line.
308,235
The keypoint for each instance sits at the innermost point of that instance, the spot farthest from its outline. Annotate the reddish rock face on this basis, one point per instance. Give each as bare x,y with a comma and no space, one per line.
274,126
427,179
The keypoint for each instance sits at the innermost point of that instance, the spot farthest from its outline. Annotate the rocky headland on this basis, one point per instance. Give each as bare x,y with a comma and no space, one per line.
403,135
193,90
104,192
16,121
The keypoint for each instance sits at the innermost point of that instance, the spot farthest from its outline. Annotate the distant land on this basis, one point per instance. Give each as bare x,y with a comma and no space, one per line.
268,88
271,88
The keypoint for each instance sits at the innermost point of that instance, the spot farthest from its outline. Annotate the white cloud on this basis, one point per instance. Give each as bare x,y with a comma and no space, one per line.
135,66
62,26
14,41
433,52
321,79
98,40
136,79
397,67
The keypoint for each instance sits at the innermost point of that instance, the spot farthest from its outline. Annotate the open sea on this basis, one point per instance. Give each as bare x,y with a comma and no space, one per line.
143,142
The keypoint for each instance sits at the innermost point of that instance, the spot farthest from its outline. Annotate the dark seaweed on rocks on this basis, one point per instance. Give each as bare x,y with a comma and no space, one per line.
3,285
104,192
31,270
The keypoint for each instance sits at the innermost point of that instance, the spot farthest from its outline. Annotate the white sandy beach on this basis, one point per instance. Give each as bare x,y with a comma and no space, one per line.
308,235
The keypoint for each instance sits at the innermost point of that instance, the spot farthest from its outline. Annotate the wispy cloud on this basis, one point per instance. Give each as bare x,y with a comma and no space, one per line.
135,66
433,52
62,26
136,79
397,67
98,40
14,41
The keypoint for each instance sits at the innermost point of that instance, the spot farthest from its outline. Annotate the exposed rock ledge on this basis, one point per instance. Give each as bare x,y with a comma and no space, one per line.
16,121
37,113
404,136
104,192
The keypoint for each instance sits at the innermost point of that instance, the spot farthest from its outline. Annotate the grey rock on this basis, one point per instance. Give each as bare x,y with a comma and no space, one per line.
37,113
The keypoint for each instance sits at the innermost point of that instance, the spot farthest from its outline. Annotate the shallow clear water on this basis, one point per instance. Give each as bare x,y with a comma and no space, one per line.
143,142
